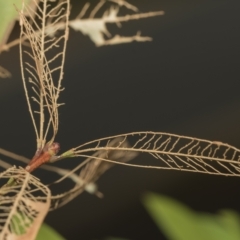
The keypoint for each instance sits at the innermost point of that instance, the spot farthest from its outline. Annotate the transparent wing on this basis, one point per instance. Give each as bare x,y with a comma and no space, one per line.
171,152
21,212
89,172
42,58
4,73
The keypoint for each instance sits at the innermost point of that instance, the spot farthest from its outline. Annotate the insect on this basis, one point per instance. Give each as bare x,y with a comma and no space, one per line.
43,156
42,74
42,49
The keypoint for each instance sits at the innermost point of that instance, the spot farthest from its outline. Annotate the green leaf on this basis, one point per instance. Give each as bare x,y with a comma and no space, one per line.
230,220
47,232
179,222
8,15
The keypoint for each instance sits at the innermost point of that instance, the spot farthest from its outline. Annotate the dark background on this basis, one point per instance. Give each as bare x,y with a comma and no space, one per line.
186,81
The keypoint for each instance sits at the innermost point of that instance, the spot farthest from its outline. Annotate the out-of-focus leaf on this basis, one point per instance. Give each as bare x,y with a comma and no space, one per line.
230,220
8,15
178,222
47,232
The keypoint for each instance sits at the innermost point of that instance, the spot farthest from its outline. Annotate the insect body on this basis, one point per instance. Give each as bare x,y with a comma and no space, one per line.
43,156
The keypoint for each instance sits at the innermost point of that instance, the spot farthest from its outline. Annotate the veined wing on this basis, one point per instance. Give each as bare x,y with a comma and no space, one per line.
171,152
24,204
84,176
89,172
42,63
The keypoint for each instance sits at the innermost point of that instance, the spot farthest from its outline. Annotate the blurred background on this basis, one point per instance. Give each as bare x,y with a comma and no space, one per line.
186,81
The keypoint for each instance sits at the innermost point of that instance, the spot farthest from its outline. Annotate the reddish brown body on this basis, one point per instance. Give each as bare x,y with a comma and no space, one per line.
43,156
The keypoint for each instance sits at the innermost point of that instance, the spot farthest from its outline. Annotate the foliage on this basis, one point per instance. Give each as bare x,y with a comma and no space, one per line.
8,16
46,232
179,222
